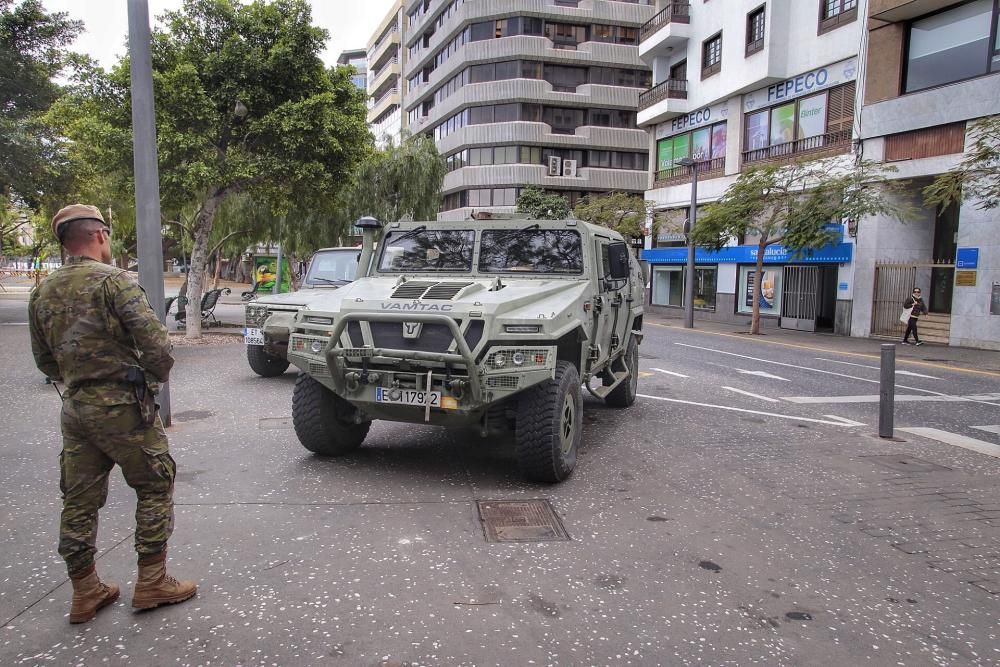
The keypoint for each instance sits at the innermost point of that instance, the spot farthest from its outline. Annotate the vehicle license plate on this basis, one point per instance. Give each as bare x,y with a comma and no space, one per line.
408,397
253,336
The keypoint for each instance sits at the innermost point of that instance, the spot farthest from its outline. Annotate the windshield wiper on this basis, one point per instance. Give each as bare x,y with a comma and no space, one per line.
530,227
410,234
330,281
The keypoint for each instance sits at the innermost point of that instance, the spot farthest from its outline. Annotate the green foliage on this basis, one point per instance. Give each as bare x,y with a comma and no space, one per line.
792,204
244,105
977,176
623,212
398,182
540,205
32,52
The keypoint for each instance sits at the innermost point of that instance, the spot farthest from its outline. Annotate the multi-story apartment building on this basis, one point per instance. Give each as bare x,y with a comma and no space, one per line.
528,92
386,58
358,59
933,69
739,83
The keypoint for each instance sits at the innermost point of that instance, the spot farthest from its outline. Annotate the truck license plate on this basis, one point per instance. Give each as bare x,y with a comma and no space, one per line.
408,397
253,336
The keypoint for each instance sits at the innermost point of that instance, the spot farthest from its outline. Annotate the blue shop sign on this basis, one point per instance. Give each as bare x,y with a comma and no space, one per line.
840,253
967,258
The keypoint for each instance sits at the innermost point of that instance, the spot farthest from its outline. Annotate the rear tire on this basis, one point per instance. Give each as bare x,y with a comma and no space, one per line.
264,364
624,394
549,426
324,422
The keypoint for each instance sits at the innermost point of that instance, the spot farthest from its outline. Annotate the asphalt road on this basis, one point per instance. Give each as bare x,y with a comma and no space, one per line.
723,520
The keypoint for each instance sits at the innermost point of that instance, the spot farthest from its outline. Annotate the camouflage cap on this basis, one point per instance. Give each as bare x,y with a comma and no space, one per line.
75,212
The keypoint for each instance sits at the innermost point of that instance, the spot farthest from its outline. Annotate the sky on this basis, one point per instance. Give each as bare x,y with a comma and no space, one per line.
349,22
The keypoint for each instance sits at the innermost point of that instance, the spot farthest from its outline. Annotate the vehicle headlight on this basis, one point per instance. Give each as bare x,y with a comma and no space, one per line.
500,360
316,346
517,358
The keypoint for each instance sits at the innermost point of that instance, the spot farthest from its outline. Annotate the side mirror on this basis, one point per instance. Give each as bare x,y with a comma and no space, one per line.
618,261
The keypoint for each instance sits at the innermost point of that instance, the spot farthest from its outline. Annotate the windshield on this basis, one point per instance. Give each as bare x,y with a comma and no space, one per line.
427,250
531,250
336,266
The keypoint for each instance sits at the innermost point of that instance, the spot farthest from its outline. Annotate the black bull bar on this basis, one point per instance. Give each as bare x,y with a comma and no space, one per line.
335,353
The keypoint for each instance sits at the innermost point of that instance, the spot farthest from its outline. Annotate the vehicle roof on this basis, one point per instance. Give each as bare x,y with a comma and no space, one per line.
437,225
343,247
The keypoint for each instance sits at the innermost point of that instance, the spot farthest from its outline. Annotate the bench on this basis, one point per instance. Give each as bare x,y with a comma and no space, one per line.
209,300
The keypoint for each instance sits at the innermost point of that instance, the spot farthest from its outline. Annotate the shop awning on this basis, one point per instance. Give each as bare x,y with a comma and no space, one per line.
839,253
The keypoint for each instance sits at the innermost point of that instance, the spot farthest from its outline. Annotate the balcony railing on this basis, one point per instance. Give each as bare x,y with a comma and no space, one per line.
391,91
831,141
673,89
706,168
389,63
675,12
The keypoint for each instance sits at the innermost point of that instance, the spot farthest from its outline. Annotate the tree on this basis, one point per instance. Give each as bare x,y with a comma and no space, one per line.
620,211
32,52
538,204
243,105
977,176
794,205
400,181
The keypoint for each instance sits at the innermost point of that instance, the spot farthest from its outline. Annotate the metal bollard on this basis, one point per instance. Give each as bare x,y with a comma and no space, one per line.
887,391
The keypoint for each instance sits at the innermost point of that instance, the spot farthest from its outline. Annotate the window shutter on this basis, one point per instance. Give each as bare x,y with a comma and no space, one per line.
840,108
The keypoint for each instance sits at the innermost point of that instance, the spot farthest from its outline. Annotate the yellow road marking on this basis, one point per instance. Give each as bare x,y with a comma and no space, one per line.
645,374
753,339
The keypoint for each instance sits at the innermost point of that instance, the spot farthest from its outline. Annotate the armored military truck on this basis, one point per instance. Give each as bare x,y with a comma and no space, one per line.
269,317
491,324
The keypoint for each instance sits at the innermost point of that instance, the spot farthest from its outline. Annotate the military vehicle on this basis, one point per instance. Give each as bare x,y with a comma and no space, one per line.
489,324
270,316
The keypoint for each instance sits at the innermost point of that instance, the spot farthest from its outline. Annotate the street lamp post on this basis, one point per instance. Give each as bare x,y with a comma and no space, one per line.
692,220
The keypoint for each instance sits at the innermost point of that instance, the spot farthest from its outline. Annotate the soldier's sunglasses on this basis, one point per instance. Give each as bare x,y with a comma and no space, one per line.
103,230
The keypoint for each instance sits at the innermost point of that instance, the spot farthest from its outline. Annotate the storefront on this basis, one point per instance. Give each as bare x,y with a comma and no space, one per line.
799,290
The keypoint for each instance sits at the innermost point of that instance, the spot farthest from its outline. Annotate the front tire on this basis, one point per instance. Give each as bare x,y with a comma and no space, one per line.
264,364
624,394
323,421
549,427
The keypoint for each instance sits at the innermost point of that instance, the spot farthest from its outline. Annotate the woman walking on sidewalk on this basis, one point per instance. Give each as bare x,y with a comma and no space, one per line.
916,306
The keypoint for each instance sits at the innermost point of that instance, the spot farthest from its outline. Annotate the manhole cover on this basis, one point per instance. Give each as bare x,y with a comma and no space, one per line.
274,423
904,463
191,415
520,521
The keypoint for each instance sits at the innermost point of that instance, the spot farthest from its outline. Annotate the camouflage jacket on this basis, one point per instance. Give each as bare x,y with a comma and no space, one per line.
89,323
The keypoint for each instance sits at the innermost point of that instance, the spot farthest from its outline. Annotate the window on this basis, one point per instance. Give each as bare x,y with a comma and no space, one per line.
505,155
711,56
565,79
505,113
541,251
835,13
951,46
770,298
600,159
818,121
755,31
679,72
704,144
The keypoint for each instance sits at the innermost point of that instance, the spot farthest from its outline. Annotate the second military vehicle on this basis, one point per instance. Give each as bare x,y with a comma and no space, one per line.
269,317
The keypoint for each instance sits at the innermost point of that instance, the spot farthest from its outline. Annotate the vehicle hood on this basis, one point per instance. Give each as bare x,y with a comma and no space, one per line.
291,299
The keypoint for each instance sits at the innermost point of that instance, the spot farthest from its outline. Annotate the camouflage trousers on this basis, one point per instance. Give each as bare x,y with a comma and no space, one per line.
95,438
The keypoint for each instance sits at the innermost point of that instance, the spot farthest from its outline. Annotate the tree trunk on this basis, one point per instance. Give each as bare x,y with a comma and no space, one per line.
199,262
218,270
758,289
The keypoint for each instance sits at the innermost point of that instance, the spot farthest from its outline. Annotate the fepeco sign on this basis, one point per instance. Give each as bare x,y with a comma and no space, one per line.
693,120
803,84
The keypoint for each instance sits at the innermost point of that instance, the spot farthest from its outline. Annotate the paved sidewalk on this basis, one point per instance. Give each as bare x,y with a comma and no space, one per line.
958,357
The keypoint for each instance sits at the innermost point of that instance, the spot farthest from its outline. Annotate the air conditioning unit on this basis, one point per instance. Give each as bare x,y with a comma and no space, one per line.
569,168
555,165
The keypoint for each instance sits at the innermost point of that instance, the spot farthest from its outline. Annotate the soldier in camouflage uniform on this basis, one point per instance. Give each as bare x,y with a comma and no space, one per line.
92,329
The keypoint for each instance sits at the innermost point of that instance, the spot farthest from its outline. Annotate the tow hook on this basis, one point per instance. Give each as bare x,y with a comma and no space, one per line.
458,388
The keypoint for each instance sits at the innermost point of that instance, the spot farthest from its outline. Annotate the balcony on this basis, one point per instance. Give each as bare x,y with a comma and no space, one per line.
822,145
706,169
666,31
662,102
671,89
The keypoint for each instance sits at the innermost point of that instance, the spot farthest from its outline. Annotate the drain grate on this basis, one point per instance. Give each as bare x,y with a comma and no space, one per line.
520,521
274,423
904,463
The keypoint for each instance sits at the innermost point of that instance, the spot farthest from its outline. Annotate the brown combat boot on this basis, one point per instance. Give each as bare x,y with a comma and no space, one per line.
90,595
155,587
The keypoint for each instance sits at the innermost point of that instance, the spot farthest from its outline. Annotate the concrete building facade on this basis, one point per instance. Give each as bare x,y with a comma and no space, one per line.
358,59
386,60
748,84
933,71
527,92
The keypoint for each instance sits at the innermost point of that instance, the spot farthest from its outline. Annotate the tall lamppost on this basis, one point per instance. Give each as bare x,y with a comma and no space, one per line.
692,219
